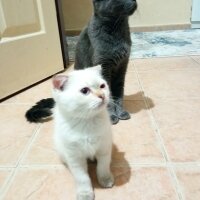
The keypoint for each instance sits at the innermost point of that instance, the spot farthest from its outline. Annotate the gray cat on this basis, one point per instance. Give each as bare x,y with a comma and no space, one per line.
105,41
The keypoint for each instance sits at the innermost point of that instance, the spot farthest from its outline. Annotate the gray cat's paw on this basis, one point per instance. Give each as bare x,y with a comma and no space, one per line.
106,182
85,196
124,115
114,119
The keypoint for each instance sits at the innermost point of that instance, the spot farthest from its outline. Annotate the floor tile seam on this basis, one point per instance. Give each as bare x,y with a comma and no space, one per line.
164,99
154,125
158,57
16,104
142,165
176,99
42,166
175,182
173,177
6,168
130,165
8,180
116,164
15,170
169,70
29,145
186,164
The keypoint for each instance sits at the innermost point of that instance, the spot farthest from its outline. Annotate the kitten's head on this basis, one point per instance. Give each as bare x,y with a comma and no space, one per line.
114,8
82,93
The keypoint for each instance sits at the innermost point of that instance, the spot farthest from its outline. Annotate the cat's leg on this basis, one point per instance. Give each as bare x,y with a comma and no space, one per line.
117,87
78,168
107,73
83,55
104,174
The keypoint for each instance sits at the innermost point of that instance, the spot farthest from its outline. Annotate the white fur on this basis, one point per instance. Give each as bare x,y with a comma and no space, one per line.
83,129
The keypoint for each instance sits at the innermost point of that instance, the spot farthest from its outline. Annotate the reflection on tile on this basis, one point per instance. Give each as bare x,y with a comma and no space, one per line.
15,133
41,184
132,90
42,150
166,64
189,179
135,139
33,94
3,176
140,183
172,84
179,128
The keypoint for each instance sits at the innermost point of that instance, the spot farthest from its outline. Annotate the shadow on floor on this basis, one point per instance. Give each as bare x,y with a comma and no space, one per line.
136,102
122,173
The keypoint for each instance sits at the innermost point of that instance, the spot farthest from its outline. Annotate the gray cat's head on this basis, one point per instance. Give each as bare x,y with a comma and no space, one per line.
114,8
81,93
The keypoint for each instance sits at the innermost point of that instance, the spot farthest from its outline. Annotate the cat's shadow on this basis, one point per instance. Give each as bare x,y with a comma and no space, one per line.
136,102
120,168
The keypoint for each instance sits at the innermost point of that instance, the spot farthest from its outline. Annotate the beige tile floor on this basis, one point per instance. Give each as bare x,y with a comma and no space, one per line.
156,154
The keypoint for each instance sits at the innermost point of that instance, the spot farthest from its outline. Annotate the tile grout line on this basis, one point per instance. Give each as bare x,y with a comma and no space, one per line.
156,129
161,143
44,166
14,103
131,164
160,57
10,179
5,183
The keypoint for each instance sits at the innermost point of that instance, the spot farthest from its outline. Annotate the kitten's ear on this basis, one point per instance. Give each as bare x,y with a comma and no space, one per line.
59,81
98,68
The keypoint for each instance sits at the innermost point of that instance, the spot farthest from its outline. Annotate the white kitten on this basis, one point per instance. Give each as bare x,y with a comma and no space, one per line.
82,127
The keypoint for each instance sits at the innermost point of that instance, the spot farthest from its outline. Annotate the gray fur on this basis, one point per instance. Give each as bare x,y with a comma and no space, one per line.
106,41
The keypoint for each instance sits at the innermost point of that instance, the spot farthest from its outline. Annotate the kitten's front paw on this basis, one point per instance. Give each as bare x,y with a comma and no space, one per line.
124,115
114,119
106,182
85,196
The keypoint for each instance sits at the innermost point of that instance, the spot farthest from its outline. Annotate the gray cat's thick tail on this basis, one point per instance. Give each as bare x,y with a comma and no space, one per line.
40,111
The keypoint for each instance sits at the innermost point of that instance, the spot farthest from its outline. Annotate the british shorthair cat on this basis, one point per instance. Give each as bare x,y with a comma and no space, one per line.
82,127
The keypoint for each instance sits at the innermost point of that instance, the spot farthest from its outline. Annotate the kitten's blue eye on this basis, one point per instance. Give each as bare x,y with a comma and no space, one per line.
102,86
85,90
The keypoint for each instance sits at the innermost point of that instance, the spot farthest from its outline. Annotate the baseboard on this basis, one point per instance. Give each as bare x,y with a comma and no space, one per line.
74,32
160,28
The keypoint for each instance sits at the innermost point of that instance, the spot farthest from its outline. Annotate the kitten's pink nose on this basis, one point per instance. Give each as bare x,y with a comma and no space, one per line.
101,96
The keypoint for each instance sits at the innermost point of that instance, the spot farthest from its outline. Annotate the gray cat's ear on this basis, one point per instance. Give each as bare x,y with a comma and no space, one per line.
98,68
59,81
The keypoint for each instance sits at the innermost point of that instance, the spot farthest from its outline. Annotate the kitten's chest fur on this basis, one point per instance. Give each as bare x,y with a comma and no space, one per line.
85,138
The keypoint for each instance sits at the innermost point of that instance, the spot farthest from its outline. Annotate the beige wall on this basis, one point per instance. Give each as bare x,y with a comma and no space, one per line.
156,13
150,13
76,13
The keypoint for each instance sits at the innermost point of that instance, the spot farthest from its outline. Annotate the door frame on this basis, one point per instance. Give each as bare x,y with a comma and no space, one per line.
195,18
61,28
